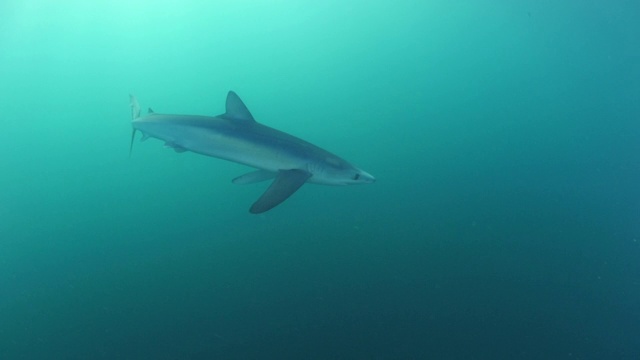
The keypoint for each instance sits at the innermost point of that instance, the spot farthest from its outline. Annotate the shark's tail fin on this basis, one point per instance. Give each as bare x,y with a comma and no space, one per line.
135,113
135,107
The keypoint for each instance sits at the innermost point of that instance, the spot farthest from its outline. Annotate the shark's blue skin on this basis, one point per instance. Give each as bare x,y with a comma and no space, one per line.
237,137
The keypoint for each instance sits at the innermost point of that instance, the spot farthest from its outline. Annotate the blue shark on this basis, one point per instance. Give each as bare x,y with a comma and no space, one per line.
236,136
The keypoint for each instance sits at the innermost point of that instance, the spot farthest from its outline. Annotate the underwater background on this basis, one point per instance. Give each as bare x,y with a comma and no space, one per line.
504,223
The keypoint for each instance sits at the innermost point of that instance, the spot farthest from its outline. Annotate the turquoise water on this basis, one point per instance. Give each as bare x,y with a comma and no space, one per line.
504,223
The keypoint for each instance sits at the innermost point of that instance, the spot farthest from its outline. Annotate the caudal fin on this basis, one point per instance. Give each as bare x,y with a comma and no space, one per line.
133,137
135,107
135,113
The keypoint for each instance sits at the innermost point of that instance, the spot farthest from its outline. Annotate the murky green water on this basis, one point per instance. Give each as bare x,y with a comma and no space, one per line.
504,222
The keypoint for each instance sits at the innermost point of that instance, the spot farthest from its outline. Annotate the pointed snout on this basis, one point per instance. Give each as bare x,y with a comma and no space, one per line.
366,178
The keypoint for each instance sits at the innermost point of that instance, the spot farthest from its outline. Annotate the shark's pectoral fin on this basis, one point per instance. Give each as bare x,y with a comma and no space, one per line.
285,184
254,177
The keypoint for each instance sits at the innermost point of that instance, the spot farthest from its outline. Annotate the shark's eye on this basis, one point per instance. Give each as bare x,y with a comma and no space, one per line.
356,177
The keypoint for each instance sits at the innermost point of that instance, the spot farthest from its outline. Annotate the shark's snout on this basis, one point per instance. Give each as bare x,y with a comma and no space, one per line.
366,178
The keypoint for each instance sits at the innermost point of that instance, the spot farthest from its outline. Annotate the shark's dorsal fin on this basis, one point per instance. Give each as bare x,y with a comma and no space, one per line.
236,109
150,111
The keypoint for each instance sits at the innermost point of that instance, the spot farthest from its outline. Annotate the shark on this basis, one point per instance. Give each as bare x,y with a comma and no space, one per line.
236,136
